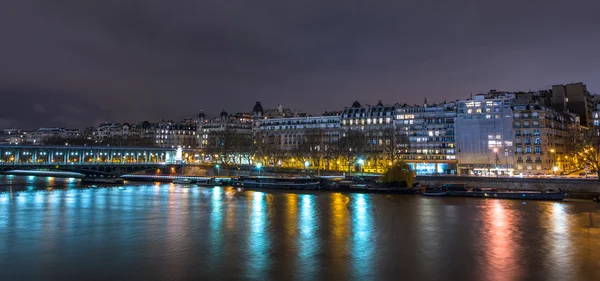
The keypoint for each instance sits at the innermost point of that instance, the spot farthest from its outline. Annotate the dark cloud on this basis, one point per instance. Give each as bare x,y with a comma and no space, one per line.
146,59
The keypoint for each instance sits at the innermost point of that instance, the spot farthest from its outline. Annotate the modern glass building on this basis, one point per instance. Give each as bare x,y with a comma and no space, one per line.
484,136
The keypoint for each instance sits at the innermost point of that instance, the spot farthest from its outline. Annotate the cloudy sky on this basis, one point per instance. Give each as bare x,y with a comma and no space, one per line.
74,63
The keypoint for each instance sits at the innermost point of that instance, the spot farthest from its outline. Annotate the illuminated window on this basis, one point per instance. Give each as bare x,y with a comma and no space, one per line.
469,111
479,110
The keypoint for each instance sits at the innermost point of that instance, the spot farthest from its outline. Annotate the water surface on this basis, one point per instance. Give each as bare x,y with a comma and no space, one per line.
52,229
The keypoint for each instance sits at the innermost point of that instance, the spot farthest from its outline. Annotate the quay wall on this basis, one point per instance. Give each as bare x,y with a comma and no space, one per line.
574,186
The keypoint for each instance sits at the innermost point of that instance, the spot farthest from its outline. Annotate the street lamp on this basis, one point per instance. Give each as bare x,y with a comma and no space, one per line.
218,168
306,164
555,168
258,166
360,164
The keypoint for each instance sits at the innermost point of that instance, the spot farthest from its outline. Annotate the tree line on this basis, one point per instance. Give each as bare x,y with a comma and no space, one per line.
320,148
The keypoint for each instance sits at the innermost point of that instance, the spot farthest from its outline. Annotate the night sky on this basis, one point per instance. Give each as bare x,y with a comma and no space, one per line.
75,63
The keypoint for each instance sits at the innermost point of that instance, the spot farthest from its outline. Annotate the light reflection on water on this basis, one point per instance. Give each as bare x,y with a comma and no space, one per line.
257,237
308,245
169,232
362,237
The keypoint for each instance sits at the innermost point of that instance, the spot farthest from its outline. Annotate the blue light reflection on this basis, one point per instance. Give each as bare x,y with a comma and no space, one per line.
258,246
308,245
362,236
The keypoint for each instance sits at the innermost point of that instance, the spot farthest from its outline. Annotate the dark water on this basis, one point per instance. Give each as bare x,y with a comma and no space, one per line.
167,232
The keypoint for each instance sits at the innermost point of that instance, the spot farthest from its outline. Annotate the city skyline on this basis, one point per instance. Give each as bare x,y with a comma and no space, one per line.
146,59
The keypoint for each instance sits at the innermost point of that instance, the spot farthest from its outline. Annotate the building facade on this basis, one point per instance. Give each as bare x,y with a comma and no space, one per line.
484,135
540,139
574,98
431,138
45,135
171,134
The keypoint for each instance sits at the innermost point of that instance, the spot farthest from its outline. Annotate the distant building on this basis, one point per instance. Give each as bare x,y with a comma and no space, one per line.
376,125
224,134
574,98
175,134
107,131
288,134
484,136
13,136
45,135
540,138
430,129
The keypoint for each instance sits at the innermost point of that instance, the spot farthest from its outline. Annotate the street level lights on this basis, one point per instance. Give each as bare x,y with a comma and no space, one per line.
258,166
360,165
496,159
554,168
306,164
218,168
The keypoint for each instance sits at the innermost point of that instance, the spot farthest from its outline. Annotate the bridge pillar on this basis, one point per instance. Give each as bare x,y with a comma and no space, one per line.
34,156
17,155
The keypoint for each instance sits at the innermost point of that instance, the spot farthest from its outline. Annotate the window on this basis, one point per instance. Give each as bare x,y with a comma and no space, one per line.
537,149
527,150
519,151
518,132
537,141
527,140
536,132
469,111
479,110
517,115
498,137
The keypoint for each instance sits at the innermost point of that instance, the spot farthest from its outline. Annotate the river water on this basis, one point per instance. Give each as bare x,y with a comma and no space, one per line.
52,229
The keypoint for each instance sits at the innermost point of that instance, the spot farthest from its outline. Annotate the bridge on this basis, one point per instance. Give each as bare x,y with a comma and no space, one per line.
88,160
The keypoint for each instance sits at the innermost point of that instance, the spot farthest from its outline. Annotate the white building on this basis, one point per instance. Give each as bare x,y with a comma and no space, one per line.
288,133
174,134
484,136
42,135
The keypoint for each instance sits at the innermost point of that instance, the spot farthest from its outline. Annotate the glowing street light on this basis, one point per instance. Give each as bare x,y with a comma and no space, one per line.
258,166
360,163
306,164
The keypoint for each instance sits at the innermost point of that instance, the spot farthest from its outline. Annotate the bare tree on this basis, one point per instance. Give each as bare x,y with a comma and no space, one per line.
583,146
350,147
395,142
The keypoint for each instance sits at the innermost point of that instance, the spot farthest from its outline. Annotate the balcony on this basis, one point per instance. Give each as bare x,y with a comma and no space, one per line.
520,161
528,161
538,161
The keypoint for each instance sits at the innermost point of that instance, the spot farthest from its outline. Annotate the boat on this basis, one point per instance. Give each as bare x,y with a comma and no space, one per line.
278,183
516,194
207,182
459,190
434,192
182,181
103,180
